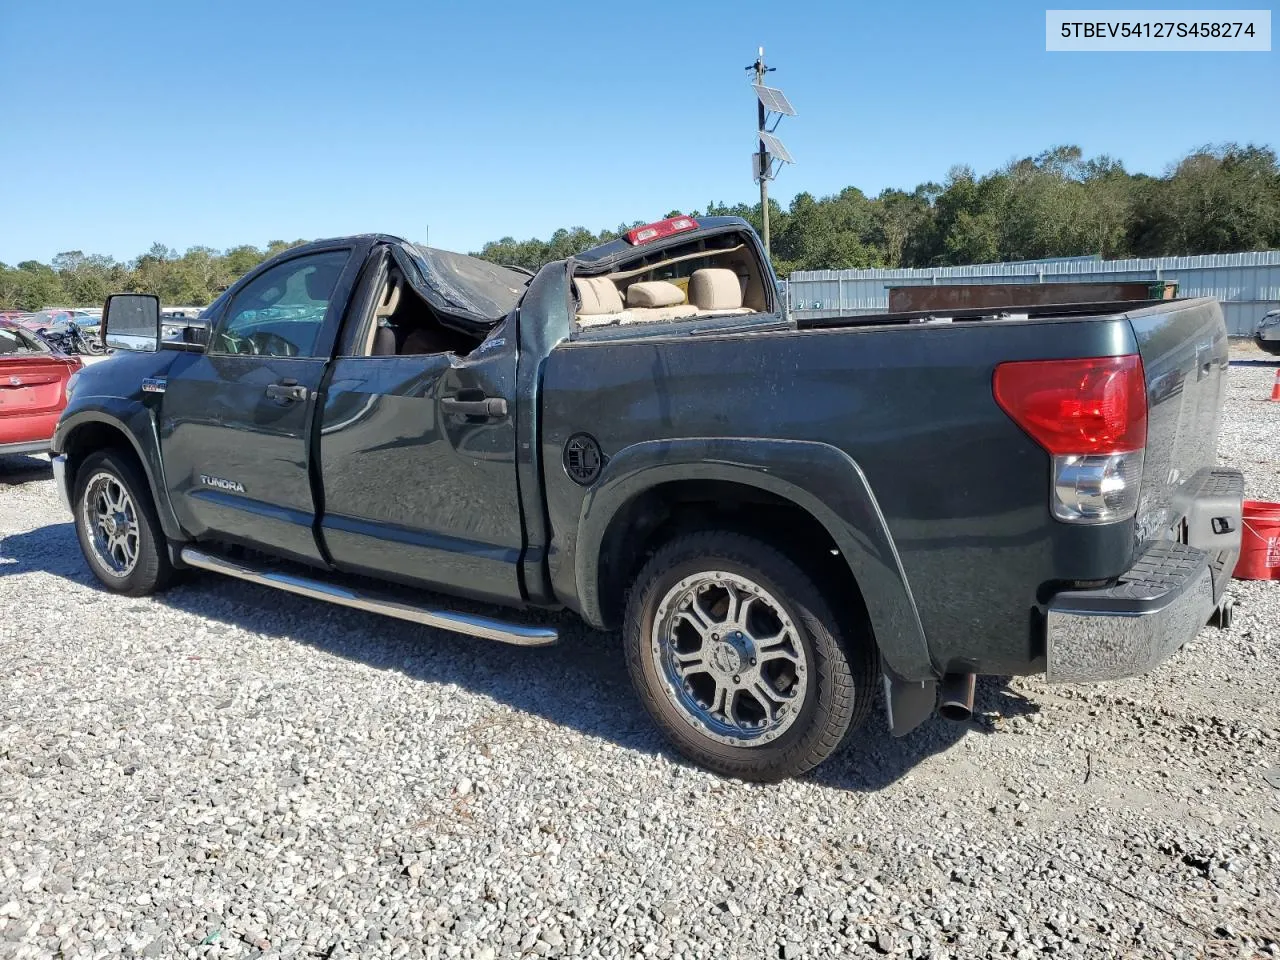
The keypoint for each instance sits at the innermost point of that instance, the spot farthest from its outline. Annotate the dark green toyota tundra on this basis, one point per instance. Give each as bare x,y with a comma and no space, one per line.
781,518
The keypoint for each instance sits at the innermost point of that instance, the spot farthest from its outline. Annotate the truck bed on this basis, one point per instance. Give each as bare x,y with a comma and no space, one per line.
962,488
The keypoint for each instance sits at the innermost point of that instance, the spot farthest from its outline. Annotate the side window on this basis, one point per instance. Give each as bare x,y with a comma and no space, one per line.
280,313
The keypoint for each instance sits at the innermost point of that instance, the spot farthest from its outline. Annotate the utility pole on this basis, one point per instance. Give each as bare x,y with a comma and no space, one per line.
770,148
761,70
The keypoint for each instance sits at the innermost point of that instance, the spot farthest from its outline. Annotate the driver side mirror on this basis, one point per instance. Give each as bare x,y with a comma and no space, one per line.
131,321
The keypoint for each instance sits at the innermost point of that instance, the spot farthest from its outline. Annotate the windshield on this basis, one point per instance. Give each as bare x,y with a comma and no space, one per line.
14,341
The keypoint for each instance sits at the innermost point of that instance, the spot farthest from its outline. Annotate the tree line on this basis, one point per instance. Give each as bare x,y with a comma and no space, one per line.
76,279
1216,199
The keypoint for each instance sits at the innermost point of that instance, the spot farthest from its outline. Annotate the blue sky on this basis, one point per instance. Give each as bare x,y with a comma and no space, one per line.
232,122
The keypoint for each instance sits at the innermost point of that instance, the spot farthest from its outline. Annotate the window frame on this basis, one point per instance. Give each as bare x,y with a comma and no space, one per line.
322,345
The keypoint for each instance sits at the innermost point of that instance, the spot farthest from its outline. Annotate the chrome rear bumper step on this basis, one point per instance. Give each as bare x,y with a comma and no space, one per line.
467,623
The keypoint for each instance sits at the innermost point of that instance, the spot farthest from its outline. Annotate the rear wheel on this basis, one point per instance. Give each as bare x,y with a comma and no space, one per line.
117,525
739,660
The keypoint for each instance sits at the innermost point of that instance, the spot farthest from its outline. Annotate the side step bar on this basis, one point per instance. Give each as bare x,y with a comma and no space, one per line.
470,624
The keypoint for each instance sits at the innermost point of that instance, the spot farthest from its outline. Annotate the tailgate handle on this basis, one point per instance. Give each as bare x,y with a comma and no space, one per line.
1221,525
286,391
488,407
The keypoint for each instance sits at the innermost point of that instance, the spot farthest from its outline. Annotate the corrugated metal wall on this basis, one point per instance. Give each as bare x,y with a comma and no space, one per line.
1248,284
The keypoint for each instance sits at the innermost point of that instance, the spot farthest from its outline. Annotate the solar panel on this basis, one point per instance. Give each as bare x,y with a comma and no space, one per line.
774,100
774,146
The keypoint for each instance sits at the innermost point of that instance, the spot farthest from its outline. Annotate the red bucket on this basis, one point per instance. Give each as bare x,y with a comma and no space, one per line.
1259,542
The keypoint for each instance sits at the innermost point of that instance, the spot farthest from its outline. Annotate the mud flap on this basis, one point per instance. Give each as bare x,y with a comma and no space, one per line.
908,703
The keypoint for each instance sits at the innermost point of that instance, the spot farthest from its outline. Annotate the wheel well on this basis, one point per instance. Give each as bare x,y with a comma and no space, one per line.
668,510
91,437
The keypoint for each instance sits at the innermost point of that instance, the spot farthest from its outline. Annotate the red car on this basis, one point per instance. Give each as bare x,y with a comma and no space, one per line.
33,389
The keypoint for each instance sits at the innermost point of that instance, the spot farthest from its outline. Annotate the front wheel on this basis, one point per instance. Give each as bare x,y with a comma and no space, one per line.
116,522
739,660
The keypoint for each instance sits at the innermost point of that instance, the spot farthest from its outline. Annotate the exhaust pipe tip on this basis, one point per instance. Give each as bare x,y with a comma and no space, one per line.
956,703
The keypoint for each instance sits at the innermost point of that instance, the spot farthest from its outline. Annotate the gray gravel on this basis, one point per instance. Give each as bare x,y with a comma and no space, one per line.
228,772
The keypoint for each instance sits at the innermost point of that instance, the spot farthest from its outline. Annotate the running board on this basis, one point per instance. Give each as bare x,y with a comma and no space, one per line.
470,624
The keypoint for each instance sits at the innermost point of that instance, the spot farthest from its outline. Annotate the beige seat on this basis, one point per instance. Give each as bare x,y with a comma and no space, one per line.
716,290
599,301
650,301
598,296
381,340
647,301
654,293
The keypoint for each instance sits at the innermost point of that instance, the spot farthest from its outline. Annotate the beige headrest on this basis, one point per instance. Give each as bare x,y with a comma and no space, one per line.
598,295
714,288
654,293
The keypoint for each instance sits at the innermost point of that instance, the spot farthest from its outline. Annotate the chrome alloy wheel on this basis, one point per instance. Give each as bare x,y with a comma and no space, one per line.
111,521
732,660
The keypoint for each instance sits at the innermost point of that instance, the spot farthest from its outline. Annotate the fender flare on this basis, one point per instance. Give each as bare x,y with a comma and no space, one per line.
138,426
818,478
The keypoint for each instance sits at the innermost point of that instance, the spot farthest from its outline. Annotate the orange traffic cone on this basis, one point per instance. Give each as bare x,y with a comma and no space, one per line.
1275,388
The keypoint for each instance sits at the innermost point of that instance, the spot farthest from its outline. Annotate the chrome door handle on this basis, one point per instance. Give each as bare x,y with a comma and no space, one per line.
286,391
488,407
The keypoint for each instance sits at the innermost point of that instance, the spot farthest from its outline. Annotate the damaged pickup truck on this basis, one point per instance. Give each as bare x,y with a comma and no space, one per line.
784,519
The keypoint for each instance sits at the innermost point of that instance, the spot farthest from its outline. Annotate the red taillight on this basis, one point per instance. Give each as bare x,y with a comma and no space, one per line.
1091,406
663,228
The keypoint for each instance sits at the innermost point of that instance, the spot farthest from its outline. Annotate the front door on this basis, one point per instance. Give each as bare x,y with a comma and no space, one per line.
236,420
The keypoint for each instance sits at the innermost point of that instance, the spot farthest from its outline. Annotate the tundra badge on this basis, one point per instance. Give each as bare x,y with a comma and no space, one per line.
221,484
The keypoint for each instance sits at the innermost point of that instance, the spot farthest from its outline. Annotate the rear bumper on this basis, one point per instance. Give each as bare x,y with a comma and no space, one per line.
17,430
1163,600
1128,629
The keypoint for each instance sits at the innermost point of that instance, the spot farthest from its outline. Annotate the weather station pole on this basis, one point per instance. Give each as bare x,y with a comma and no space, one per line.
764,155
769,100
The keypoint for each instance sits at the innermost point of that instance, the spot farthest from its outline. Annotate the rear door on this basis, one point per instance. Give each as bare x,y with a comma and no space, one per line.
236,420
32,388
417,452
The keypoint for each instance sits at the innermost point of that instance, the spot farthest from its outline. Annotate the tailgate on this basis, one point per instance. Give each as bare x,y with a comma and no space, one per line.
32,385
1184,355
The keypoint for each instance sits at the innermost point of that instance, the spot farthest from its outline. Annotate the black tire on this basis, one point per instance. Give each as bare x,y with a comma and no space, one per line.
841,668
1268,346
152,569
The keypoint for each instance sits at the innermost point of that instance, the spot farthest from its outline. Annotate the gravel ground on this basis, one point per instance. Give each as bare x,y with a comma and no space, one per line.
225,772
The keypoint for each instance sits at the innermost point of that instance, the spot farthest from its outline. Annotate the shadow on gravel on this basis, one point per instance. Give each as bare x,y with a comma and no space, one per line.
19,469
876,760
581,683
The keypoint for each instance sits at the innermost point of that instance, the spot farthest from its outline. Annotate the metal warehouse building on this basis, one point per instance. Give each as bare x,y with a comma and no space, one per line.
1248,284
